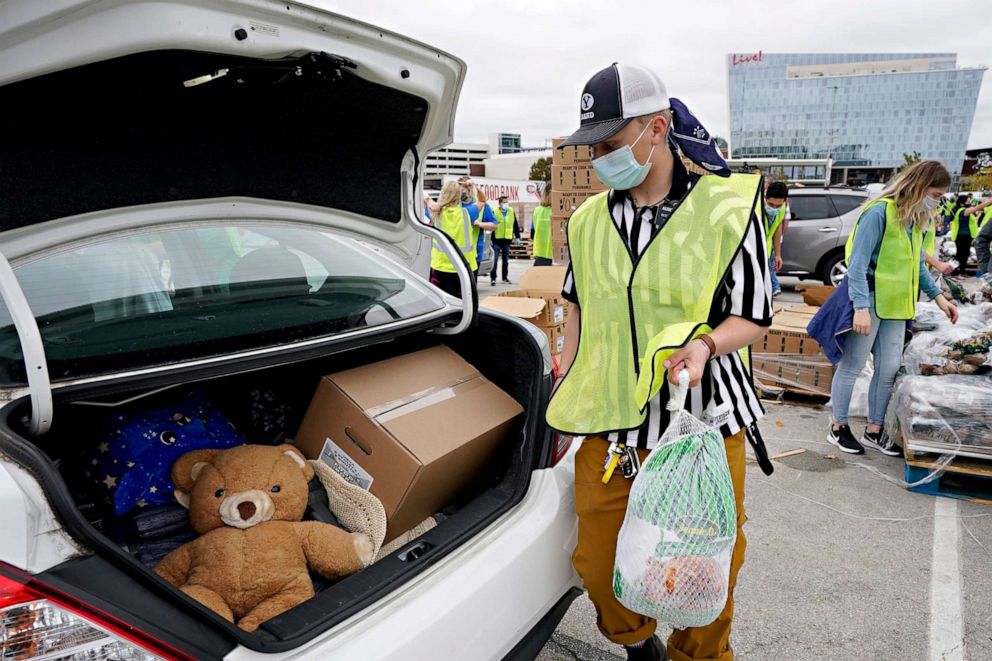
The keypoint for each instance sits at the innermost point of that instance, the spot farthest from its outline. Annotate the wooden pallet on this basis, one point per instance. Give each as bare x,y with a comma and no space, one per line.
521,251
964,478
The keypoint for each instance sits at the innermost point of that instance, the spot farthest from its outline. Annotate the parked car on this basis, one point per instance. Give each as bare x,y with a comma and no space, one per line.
821,221
227,194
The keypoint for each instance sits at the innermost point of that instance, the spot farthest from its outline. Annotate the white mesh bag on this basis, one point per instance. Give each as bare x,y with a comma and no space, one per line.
674,549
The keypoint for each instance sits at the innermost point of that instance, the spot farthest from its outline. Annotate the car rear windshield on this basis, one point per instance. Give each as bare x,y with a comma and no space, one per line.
175,294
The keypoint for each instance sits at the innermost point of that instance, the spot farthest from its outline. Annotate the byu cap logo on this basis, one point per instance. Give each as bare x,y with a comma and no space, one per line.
587,102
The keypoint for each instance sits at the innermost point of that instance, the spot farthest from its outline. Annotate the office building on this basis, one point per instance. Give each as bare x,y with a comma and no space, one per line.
504,143
862,112
455,159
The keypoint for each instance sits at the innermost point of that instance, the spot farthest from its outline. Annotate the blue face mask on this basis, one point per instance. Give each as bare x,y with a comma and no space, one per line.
771,212
619,169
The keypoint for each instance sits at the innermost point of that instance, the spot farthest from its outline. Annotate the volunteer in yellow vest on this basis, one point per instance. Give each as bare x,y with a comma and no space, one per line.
776,222
885,272
454,220
507,232
540,229
964,228
668,272
930,255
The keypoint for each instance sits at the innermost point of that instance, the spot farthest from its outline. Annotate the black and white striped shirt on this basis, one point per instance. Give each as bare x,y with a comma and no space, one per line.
726,393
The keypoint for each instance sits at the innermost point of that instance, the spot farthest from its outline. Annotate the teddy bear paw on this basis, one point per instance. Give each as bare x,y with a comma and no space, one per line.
364,548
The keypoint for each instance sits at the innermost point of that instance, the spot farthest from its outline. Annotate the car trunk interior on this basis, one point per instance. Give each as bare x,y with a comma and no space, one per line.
266,406
182,125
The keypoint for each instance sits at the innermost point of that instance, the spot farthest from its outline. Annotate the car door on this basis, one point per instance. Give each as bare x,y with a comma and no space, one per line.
814,230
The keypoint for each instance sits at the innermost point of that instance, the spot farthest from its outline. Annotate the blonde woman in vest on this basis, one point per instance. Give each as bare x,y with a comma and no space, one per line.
885,273
668,273
454,220
540,229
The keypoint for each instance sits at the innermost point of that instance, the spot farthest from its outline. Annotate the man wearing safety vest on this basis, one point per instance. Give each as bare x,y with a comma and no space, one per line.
776,222
507,232
962,234
668,273
540,229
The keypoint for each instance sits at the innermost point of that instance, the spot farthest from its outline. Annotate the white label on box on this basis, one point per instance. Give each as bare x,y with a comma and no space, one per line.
345,466
561,344
559,314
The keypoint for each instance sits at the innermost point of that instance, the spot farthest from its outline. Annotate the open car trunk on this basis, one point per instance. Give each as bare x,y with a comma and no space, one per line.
115,577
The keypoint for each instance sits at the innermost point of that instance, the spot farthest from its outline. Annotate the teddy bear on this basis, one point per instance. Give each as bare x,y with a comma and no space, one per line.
251,560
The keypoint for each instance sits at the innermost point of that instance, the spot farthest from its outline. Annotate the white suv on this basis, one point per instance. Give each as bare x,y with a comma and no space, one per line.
223,193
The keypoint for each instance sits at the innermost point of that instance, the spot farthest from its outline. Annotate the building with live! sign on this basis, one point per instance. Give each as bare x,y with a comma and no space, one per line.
861,112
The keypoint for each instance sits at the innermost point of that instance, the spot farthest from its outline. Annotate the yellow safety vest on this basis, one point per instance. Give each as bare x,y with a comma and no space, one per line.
504,230
456,223
897,272
930,239
542,232
637,314
770,234
956,222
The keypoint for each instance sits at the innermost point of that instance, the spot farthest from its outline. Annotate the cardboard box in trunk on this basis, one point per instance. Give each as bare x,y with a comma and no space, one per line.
414,430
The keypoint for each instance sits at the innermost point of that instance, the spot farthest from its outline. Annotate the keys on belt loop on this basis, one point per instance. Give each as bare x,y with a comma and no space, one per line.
619,454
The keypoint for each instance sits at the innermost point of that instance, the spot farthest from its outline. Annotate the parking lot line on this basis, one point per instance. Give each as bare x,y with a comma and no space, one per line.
946,634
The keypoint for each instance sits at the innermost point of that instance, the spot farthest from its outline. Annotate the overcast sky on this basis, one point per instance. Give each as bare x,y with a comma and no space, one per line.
528,59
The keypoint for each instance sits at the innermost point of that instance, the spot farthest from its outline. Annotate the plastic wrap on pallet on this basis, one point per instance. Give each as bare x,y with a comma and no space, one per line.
943,414
796,371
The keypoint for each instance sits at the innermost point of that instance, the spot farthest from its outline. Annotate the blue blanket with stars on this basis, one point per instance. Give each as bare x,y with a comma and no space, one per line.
131,466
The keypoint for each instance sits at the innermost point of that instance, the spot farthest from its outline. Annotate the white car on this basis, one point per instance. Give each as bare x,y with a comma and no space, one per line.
226,193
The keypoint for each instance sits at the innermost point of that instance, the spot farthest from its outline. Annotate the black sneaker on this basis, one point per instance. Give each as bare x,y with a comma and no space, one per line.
492,283
506,282
875,441
652,650
844,440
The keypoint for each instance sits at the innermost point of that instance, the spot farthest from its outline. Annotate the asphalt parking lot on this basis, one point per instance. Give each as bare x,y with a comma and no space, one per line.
841,563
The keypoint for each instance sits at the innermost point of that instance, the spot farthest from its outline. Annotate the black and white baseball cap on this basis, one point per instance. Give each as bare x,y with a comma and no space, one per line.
612,98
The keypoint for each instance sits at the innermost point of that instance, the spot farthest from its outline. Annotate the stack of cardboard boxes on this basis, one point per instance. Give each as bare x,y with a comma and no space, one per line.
538,301
788,358
572,182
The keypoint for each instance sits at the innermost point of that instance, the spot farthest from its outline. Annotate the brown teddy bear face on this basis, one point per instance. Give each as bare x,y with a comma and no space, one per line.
243,486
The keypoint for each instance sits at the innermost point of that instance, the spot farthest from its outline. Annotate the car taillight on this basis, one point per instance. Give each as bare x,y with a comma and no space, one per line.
39,621
559,446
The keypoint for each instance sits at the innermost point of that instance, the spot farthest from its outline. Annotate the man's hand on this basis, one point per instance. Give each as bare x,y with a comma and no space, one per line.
862,322
948,308
944,267
778,262
692,357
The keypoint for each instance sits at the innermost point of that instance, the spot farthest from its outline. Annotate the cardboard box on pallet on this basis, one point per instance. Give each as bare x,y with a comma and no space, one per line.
560,255
564,202
569,155
575,178
377,425
787,357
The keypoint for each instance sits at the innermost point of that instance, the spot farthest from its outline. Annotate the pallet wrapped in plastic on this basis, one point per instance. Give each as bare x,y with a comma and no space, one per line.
674,549
949,414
